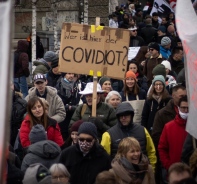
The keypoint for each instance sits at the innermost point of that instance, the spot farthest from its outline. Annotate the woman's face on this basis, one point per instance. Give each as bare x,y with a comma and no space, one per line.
37,110
130,82
158,87
106,86
59,178
74,136
133,156
114,101
133,68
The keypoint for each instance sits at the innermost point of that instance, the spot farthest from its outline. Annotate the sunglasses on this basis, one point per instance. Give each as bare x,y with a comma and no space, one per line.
134,31
87,140
151,49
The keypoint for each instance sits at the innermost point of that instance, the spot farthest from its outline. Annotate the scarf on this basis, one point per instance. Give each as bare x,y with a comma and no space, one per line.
66,88
130,173
157,98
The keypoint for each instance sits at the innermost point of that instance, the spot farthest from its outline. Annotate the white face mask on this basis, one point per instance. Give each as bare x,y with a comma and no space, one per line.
183,115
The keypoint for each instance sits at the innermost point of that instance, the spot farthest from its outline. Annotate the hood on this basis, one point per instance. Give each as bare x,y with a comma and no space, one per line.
22,46
123,108
41,62
180,121
46,149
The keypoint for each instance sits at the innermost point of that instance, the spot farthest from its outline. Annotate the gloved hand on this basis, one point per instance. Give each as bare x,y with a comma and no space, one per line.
97,121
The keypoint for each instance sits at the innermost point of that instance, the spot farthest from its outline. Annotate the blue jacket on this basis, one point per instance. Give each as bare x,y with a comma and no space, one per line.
165,52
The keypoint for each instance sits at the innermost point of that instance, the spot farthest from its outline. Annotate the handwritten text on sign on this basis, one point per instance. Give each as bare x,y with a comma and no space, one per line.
105,50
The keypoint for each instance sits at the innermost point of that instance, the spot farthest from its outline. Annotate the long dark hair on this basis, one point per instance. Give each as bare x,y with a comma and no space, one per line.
135,89
33,120
139,71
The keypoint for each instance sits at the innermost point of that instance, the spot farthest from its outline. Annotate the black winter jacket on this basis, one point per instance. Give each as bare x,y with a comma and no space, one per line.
84,169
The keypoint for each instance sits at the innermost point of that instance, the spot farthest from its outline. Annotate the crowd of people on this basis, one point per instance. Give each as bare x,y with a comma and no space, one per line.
138,135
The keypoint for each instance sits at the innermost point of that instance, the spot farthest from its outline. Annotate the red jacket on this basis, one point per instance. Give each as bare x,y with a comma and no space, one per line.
171,141
53,132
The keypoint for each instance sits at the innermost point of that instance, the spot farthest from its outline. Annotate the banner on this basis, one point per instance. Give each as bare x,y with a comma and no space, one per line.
187,30
162,7
6,68
87,48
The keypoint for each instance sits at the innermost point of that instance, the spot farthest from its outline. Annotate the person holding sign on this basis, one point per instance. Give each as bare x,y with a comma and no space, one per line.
105,114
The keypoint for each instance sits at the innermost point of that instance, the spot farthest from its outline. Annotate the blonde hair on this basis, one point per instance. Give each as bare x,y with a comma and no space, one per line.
59,169
127,144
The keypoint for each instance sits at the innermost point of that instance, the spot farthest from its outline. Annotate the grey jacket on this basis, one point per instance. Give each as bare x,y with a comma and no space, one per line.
56,106
45,152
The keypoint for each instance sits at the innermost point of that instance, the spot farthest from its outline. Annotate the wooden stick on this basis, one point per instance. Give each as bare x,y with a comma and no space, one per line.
94,97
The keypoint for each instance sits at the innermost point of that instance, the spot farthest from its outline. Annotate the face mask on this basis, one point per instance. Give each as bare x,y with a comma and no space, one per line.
85,146
183,115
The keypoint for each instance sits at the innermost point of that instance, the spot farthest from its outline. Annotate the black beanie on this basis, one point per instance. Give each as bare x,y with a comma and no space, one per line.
154,45
54,64
103,79
88,128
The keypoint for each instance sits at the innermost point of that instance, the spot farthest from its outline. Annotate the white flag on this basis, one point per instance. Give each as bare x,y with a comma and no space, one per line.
5,76
186,21
162,7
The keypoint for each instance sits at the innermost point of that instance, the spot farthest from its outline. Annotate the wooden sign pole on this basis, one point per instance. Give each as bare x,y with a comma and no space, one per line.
94,97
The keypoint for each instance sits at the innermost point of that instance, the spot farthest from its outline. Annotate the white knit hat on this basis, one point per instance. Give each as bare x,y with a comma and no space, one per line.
167,64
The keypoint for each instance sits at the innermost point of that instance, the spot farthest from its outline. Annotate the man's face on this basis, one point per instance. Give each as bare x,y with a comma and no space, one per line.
155,18
163,21
69,76
133,33
154,53
40,86
89,98
179,56
184,107
174,177
125,119
177,95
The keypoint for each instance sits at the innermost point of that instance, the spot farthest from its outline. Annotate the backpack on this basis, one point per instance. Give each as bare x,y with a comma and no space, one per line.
19,108
17,66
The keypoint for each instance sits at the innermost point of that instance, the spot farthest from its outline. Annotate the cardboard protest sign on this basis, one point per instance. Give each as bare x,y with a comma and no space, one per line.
187,30
84,49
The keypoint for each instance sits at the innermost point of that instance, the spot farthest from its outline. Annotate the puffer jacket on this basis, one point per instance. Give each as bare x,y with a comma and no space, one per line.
53,132
45,152
23,60
41,67
56,106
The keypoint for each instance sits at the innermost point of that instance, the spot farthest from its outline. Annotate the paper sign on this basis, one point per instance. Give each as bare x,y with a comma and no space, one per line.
133,52
105,50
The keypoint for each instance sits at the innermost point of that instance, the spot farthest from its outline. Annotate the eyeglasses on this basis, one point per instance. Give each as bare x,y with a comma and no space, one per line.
184,108
59,177
151,49
158,84
134,31
87,139
124,115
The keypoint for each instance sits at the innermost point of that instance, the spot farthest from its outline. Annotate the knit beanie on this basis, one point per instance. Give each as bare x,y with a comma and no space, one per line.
103,80
159,70
159,78
154,45
50,56
167,64
37,134
37,174
88,128
54,64
162,29
165,41
75,126
130,74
